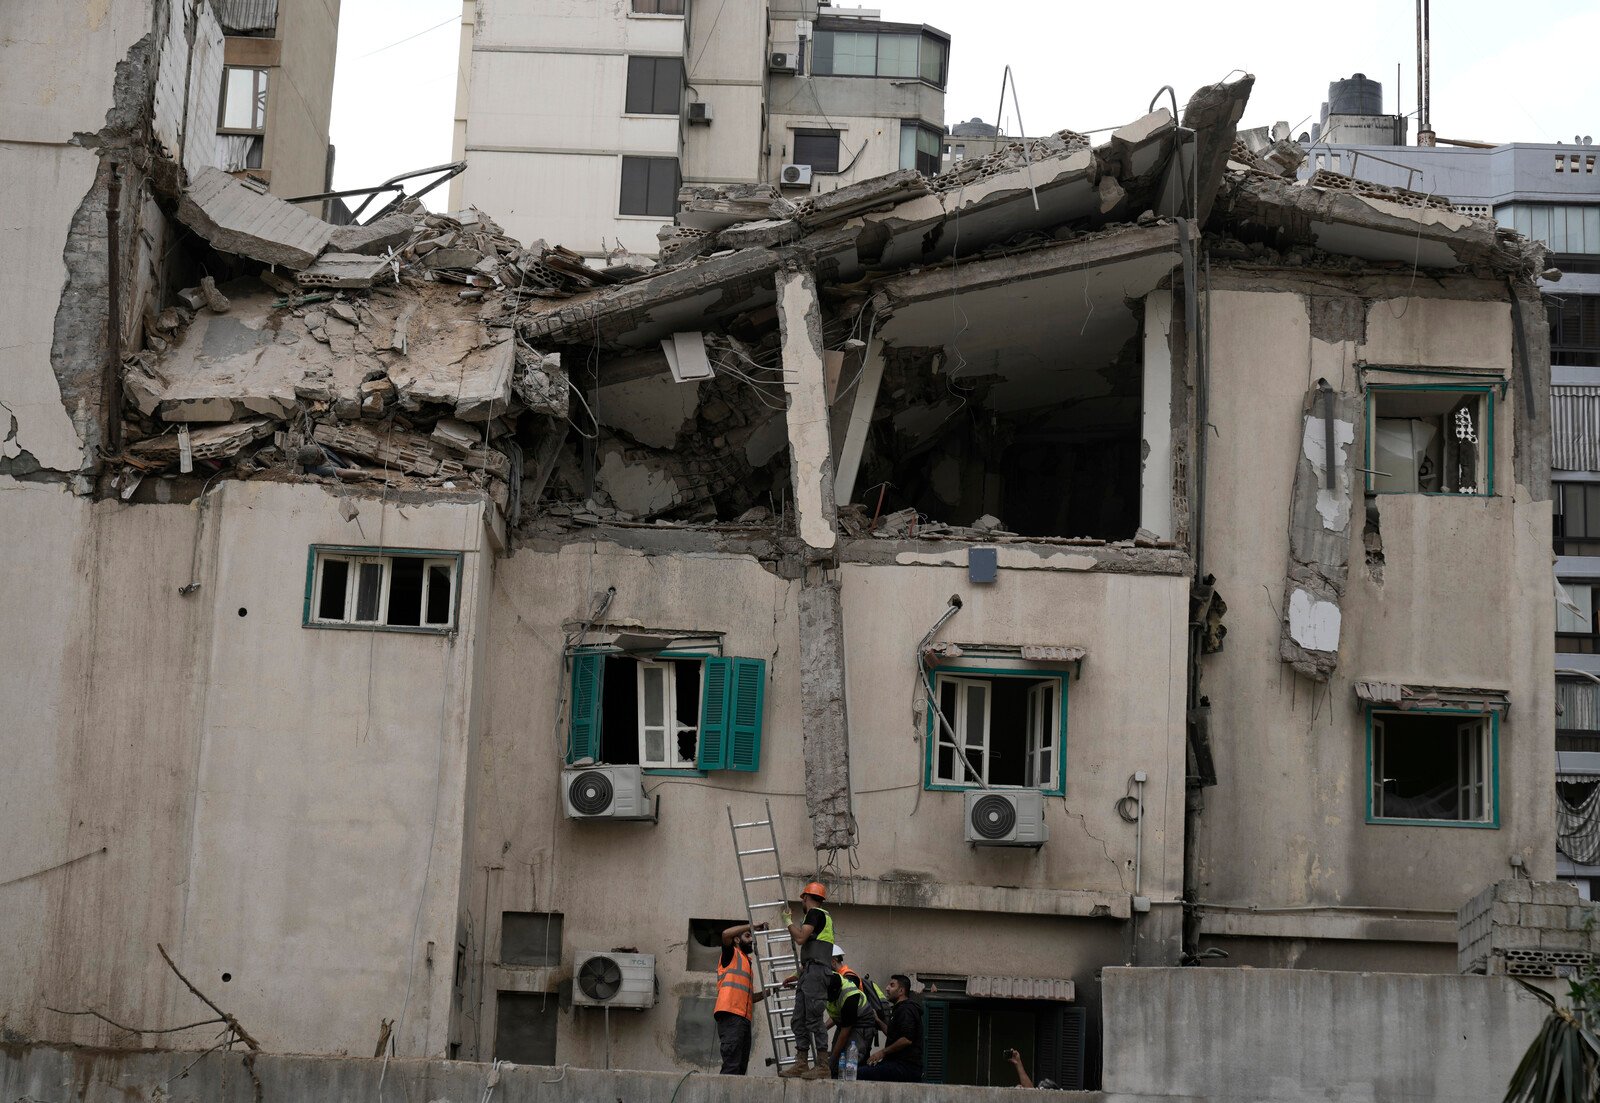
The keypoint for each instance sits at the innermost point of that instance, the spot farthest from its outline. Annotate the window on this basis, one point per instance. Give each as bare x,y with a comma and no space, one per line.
672,711
1577,518
1430,440
1575,329
525,1027
902,54
530,938
243,106
1577,713
705,943
1433,767
655,85
1577,626
920,147
817,148
650,186
410,590
964,1040
658,7
1000,728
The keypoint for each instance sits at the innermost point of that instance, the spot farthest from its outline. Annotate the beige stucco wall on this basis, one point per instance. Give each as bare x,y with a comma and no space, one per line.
300,97
1464,600
637,884
280,804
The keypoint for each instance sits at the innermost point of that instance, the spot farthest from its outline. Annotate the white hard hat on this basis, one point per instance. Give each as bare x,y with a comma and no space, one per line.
838,950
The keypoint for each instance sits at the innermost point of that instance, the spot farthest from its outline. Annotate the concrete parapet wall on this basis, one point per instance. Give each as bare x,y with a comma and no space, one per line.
41,1072
1287,1035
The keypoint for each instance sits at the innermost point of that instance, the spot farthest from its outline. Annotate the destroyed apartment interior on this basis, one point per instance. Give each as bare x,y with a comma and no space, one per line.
1112,545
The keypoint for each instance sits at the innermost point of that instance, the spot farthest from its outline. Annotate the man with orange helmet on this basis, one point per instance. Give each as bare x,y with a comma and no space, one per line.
813,934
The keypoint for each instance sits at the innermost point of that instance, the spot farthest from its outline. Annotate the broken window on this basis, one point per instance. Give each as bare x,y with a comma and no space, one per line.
1430,440
705,943
817,148
670,711
530,938
649,186
920,147
655,85
998,729
1577,622
408,590
1577,518
658,7
243,103
1433,767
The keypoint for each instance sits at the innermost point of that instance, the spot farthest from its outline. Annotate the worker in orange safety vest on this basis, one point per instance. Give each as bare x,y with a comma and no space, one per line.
736,996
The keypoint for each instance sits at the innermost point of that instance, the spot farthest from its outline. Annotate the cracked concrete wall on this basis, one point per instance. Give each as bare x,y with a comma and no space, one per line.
811,449
824,727
1463,600
1319,534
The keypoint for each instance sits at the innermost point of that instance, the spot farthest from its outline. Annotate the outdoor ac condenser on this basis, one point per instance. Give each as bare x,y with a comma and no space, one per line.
796,176
1006,817
603,978
605,793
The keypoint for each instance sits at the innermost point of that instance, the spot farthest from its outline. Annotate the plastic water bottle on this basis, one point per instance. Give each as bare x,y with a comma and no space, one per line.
851,1062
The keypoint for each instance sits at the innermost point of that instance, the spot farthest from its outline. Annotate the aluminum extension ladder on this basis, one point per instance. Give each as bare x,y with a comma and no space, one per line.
755,850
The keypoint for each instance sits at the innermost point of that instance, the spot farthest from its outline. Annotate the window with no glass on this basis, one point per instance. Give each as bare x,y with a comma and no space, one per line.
243,103
658,7
409,590
530,938
649,186
920,147
817,148
1433,767
996,728
670,711
1430,440
655,85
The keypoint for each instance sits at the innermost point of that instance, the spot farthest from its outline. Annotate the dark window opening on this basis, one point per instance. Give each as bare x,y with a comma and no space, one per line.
530,938
1006,728
649,186
655,85
1577,518
1432,767
658,7
817,148
965,1042
659,730
1575,329
405,592
439,594
335,580
369,590
705,943
525,1027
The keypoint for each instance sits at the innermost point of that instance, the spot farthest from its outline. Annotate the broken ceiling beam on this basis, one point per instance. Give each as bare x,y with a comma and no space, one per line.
760,233
715,207
858,198
375,237
237,218
214,442
342,270
412,453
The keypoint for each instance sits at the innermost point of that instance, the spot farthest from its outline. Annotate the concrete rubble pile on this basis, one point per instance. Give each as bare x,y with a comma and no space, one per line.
429,350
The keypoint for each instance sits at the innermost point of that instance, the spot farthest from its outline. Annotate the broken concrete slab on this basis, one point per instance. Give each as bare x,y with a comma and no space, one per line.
375,237
1213,113
409,452
343,270
237,218
713,207
762,232
456,362
214,442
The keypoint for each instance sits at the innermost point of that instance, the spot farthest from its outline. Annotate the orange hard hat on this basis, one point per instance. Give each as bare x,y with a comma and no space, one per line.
815,889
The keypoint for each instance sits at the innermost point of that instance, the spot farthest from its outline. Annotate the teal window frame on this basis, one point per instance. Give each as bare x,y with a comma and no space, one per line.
929,740
735,733
357,551
1493,822
1488,393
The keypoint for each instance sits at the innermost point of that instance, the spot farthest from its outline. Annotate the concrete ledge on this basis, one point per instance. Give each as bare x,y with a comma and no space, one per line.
1330,924
45,1072
944,896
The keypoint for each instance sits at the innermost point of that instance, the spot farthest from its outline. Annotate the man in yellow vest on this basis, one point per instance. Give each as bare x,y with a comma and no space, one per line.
736,997
813,934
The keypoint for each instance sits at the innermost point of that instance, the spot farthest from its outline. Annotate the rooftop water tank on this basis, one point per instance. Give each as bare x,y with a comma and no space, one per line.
1355,96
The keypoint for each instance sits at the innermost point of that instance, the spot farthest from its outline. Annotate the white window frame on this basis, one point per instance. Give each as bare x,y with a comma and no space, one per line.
260,82
1475,796
670,728
354,562
1042,739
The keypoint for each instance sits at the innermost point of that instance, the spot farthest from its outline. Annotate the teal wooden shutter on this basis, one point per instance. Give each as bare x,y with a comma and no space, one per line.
935,1040
746,697
716,675
583,734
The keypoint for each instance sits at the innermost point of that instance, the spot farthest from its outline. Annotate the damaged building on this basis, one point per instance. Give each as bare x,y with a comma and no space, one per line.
405,610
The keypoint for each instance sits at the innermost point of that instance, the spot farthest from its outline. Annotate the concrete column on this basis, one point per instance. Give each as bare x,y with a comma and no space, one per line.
1155,479
810,449
863,402
825,736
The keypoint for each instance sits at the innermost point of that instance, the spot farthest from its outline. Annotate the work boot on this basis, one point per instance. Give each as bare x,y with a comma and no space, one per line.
817,1072
802,1063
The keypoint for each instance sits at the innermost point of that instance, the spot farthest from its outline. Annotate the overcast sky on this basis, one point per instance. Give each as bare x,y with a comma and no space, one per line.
1501,71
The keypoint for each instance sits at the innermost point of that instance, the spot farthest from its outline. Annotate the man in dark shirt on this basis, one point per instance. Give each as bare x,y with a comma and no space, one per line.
813,935
900,1059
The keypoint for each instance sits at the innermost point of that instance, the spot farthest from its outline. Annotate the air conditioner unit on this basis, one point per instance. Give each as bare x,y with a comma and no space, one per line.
603,978
1006,817
783,61
796,176
605,793
700,114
